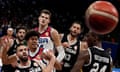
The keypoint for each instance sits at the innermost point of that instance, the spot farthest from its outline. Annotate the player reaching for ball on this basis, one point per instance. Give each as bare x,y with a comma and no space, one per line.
93,59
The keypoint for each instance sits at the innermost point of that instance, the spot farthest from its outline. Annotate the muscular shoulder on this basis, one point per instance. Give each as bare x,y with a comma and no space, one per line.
54,33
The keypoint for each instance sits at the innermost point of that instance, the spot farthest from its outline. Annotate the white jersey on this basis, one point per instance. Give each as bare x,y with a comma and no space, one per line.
45,40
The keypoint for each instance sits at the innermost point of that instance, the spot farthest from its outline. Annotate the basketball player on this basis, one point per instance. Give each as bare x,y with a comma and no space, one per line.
20,34
35,51
9,35
49,36
71,43
94,59
24,63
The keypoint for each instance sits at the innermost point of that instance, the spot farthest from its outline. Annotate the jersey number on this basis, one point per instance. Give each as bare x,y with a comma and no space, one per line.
96,68
67,57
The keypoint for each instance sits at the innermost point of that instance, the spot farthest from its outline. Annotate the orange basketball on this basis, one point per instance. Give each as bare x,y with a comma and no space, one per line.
101,17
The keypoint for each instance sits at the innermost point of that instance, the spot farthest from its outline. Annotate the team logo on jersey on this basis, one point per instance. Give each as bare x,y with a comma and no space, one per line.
75,47
46,33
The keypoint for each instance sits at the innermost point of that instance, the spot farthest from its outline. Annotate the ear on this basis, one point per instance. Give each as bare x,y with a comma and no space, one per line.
70,28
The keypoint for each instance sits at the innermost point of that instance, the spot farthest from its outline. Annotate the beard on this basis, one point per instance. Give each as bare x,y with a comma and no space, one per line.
23,59
73,35
21,38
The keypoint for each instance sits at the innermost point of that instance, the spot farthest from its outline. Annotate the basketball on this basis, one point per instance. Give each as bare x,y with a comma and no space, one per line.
101,17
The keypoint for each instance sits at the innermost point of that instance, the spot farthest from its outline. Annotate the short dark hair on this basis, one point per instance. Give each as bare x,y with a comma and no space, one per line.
30,34
46,12
18,45
78,22
21,27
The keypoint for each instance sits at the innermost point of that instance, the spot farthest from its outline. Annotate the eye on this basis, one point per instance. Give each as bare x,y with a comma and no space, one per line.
20,50
42,16
46,18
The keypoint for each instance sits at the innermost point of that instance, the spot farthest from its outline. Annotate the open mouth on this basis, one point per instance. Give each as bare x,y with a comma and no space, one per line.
25,55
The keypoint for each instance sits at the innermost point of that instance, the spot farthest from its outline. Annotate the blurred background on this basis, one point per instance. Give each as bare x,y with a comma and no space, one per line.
25,12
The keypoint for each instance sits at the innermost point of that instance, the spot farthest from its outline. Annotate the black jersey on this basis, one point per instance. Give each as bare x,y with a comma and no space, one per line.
99,61
7,68
34,67
12,50
71,55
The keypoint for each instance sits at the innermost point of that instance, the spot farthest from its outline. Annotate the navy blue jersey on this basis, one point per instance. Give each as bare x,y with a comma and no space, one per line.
100,60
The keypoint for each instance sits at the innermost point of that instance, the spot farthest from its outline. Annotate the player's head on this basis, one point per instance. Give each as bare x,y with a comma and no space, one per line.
44,17
20,33
22,52
76,28
10,31
92,39
32,39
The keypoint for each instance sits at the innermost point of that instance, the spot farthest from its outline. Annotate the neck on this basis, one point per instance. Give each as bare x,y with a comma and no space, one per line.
42,28
32,49
72,37
19,41
98,45
25,63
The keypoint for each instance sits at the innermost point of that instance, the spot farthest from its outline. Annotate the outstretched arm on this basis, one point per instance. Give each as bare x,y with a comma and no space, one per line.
58,45
5,58
59,48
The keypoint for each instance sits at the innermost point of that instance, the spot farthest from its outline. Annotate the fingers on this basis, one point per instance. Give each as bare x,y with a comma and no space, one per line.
48,54
6,43
66,44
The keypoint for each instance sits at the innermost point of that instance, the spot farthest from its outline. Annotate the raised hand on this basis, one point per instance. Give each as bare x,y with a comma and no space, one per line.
6,43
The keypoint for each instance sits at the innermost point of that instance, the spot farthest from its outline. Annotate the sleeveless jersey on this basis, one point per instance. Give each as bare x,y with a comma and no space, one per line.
36,55
71,54
34,67
45,40
99,60
12,49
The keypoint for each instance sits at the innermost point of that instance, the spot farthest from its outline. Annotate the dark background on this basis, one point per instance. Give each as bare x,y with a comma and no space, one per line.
25,12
